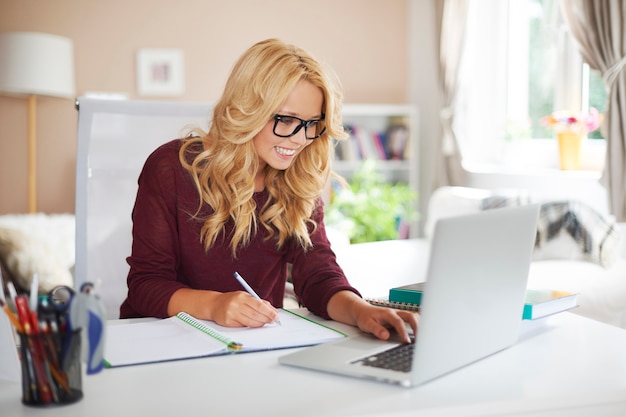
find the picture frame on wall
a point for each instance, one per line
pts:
(160, 72)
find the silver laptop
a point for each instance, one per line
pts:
(472, 305)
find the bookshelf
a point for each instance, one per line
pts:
(387, 133)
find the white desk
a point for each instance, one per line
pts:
(569, 366)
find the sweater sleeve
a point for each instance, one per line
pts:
(315, 273)
(155, 248)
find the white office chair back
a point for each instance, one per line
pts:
(114, 139)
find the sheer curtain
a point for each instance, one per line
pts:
(480, 104)
(598, 28)
(451, 18)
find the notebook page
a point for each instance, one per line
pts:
(294, 331)
(156, 341)
(172, 338)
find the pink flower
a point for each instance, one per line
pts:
(592, 121)
(563, 120)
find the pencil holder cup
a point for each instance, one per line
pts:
(51, 368)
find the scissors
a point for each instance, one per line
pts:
(70, 305)
(59, 301)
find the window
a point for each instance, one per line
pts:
(520, 64)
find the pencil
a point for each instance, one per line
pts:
(12, 317)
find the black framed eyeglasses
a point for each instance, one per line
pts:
(287, 126)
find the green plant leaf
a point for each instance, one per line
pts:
(371, 209)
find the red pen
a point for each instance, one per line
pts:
(34, 345)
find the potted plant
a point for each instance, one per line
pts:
(370, 209)
(571, 129)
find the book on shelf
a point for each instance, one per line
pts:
(185, 337)
(363, 144)
(537, 304)
(397, 141)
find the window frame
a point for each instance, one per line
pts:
(498, 146)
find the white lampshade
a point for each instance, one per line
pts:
(36, 63)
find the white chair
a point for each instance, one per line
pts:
(114, 139)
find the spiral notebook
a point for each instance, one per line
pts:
(399, 305)
(185, 337)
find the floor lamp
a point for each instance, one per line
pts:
(35, 64)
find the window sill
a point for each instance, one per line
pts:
(534, 166)
(539, 157)
(531, 170)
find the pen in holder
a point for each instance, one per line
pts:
(51, 368)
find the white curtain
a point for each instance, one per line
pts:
(451, 19)
(598, 28)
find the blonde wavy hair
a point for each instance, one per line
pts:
(224, 171)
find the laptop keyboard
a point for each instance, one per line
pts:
(398, 358)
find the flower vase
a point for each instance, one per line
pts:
(570, 145)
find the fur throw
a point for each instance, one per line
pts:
(38, 244)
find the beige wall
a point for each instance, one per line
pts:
(365, 41)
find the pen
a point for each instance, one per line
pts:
(34, 346)
(29, 387)
(7, 309)
(12, 291)
(34, 293)
(248, 288)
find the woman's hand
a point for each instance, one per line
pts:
(240, 309)
(378, 320)
(231, 309)
(347, 307)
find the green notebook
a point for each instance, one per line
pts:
(538, 303)
(410, 294)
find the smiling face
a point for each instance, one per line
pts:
(305, 101)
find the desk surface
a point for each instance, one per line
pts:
(565, 362)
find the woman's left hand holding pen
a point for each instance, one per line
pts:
(231, 309)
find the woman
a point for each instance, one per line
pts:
(246, 197)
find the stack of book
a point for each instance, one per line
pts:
(539, 302)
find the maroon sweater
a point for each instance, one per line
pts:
(167, 254)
